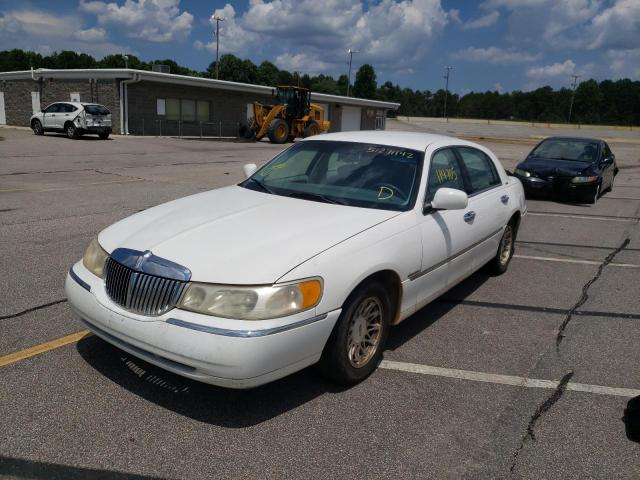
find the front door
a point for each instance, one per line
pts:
(444, 233)
(51, 116)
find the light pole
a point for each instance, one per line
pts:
(574, 85)
(351, 52)
(126, 61)
(217, 19)
(446, 89)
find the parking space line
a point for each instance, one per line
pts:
(585, 217)
(513, 380)
(572, 260)
(42, 348)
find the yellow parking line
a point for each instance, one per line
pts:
(43, 347)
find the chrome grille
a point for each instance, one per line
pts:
(140, 292)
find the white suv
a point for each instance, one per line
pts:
(74, 119)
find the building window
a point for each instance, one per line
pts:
(203, 111)
(188, 110)
(161, 106)
(173, 108)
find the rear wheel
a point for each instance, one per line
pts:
(36, 126)
(357, 341)
(278, 131)
(71, 131)
(311, 129)
(499, 264)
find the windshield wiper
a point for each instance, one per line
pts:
(566, 159)
(317, 197)
(262, 186)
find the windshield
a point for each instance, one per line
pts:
(574, 149)
(96, 110)
(346, 173)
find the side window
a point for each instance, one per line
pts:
(444, 171)
(606, 152)
(68, 108)
(480, 169)
(55, 108)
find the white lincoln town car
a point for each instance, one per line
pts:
(310, 260)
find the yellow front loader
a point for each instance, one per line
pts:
(292, 116)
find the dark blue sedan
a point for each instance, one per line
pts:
(570, 168)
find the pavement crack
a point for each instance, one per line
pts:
(585, 293)
(33, 309)
(542, 408)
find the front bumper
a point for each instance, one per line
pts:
(558, 186)
(224, 352)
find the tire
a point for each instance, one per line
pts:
(245, 132)
(593, 198)
(500, 263)
(71, 131)
(103, 135)
(278, 131)
(311, 129)
(610, 189)
(36, 126)
(343, 360)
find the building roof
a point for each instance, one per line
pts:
(171, 78)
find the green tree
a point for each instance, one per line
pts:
(268, 74)
(365, 85)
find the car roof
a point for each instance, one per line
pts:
(578, 139)
(411, 140)
(77, 104)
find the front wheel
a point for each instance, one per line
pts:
(593, 197)
(278, 131)
(357, 341)
(499, 264)
(36, 126)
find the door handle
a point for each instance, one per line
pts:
(469, 216)
(504, 199)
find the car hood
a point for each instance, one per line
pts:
(546, 167)
(234, 235)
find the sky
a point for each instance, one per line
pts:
(500, 45)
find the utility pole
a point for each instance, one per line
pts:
(446, 89)
(351, 52)
(574, 85)
(126, 61)
(217, 19)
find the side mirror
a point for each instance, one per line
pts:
(249, 169)
(449, 199)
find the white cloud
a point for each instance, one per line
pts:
(482, 22)
(389, 33)
(498, 87)
(301, 63)
(617, 27)
(564, 69)
(495, 55)
(45, 33)
(94, 34)
(625, 63)
(198, 45)
(454, 14)
(152, 20)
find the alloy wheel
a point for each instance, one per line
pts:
(506, 245)
(365, 329)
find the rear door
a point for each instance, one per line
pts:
(487, 212)
(69, 112)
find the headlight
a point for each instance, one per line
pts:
(584, 179)
(252, 303)
(522, 173)
(94, 258)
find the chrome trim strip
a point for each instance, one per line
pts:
(78, 280)
(147, 262)
(416, 275)
(244, 333)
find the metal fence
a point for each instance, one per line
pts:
(180, 128)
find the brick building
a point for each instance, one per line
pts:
(154, 103)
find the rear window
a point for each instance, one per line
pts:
(96, 110)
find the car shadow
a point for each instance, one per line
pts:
(244, 408)
(83, 137)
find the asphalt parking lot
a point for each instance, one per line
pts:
(526, 375)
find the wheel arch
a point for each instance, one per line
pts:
(392, 283)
